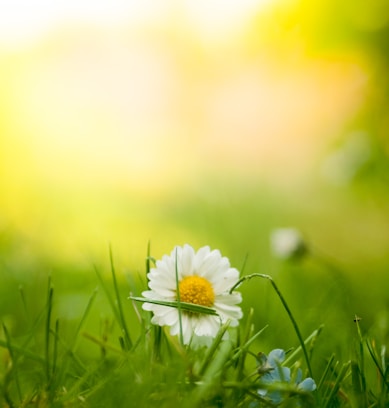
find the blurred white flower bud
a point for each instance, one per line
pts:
(287, 243)
(343, 164)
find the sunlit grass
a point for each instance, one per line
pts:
(106, 352)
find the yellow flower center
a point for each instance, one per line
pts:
(197, 290)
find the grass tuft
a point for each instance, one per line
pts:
(92, 360)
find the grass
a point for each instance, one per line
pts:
(75, 335)
(109, 354)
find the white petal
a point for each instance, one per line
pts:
(167, 263)
(209, 265)
(149, 294)
(159, 310)
(207, 326)
(163, 273)
(163, 315)
(187, 329)
(228, 312)
(147, 306)
(171, 317)
(229, 299)
(224, 282)
(200, 255)
(186, 264)
(175, 328)
(162, 291)
(200, 260)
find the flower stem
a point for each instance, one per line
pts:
(288, 311)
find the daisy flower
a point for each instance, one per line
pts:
(204, 278)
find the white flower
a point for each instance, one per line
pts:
(204, 278)
(287, 243)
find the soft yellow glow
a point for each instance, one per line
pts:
(25, 21)
(218, 19)
(115, 104)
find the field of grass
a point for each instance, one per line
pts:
(71, 336)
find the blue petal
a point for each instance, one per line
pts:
(307, 385)
(299, 375)
(276, 357)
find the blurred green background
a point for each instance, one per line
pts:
(201, 122)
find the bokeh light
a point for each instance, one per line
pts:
(110, 109)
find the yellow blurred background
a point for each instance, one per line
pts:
(109, 108)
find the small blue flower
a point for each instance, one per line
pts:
(272, 372)
(307, 385)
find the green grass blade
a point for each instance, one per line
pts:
(103, 344)
(21, 350)
(310, 339)
(286, 307)
(239, 361)
(51, 386)
(109, 297)
(49, 306)
(248, 343)
(213, 372)
(376, 361)
(55, 348)
(189, 307)
(83, 319)
(149, 259)
(122, 319)
(68, 352)
(211, 351)
(13, 359)
(24, 302)
(334, 390)
(326, 371)
(362, 392)
(179, 307)
(357, 384)
(107, 294)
